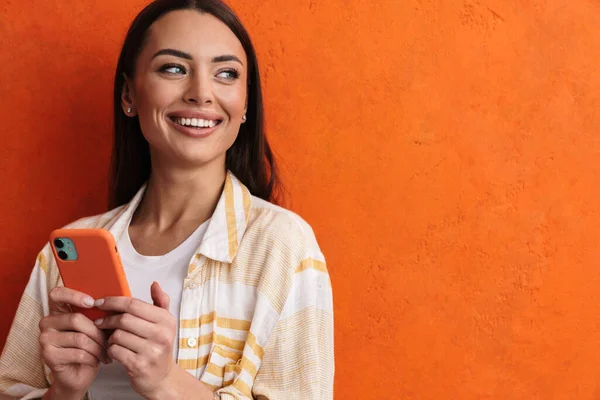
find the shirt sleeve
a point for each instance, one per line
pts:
(298, 360)
(22, 372)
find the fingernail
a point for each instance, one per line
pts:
(98, 321)
(88, 302)
(99, 302)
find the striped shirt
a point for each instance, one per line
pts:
(256, 316)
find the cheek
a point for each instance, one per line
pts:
(155, 95)
(152, 97)
(233, 101)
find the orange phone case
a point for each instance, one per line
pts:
(97, 272)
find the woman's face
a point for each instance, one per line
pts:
(189, 89)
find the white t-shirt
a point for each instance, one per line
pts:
(169, 271)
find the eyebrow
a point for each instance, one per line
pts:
(172, 52)
(225, 58)
(181, 54)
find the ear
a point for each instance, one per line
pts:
(128, 97)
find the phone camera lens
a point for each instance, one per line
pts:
(63, 255)
(58, 243)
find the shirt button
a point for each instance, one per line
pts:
(192, 342)
(193, 285)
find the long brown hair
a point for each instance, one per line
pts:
(250, 157)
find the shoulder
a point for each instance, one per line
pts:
(280, 225)
(300, 268)
(96, 221)
(279, 252)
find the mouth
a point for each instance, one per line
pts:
(195, 123)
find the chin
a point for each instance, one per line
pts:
(200, 158)
(190, 153)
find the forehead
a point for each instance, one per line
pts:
(199, 34)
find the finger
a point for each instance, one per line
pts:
(159, 297)
(132, 306)
(73, 322)
(61, 296)
(59, 308)
(74, 340)
(129, 323)
(123, 355)
(129, 341)
(55, 356)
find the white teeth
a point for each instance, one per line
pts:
(197, 122)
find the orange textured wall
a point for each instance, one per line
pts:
(445, 152)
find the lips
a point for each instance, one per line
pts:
(198, 128)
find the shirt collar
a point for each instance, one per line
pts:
(225, 229)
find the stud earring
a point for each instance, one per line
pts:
(128, 110)
(244, 117)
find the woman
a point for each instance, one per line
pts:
(250, 316)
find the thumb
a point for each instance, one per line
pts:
(159, 297)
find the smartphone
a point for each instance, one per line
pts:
(89, 262)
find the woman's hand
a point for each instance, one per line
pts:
(143, 338)
(72, 346)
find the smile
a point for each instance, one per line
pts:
(195, 122)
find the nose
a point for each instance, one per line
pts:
(199, 90)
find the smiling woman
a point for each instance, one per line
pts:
(231, 297)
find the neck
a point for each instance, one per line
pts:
(180, 196)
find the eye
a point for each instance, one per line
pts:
(229, 74)
(173, 69)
